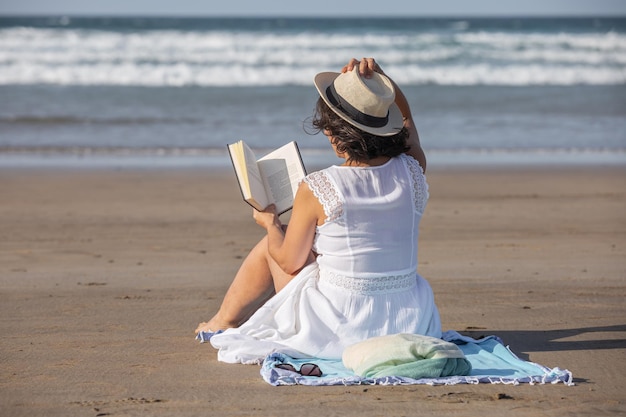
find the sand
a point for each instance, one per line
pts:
(105, 274)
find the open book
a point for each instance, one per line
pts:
(272, 179)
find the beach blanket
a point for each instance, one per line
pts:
(491, 362)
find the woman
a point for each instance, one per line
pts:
(345, 269)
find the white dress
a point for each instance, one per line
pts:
(364, 282)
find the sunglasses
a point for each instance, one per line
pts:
(307, 369)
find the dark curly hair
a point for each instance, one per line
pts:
(359, 146)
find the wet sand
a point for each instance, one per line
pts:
(104, 275)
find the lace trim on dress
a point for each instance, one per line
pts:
(420, 186)
(326, 193)
(371, 285)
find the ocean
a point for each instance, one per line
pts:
(93, 91)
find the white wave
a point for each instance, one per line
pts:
(557, 56)
(176, 58)
(180, 74)
(515, 75)
(217, 158)
(609, 41)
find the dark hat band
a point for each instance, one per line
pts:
(355, 114)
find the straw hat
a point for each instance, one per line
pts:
(366, 103)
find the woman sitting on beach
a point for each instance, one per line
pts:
(345, 269)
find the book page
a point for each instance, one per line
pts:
(248, 175)
(282, 171)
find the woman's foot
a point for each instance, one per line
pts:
(213, 326)
(204, 327)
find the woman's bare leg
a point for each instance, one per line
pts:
(257, 280)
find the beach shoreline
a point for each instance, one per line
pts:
(106, 272)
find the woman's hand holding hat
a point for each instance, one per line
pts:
(366, 67)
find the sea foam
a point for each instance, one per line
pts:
(244, 58)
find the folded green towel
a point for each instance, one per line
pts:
(408, 355)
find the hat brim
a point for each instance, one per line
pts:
(395, 123)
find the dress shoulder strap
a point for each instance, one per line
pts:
(420, 186)
(326, 192)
